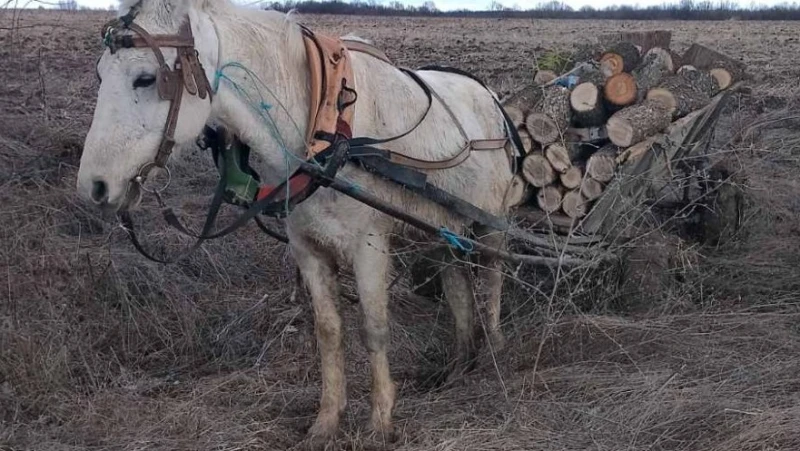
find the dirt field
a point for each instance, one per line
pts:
(100, 349)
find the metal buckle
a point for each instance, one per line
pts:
(109, 41)
(141, 178)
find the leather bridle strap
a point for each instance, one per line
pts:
(187, 73)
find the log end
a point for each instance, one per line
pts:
(537, 170)
(571, 178)
(663, 96)
(542, 128)
(620, 131)
(574, 204)
(591, 189)
(584, 97)
(516, 115)
(544, 76)
(518, 192)
(723, 77)
(620, 89)
(549, 199)
(611, 64)
(558, 156)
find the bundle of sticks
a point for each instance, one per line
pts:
(630, 87)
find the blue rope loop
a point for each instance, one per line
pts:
(455, 240)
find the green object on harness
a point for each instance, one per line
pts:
(242, 185)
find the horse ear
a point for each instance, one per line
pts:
(163, 11)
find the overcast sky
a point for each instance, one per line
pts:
(484, 4)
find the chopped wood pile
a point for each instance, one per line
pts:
(621, 91)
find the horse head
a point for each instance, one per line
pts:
(159, 59)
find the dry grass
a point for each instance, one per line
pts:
(100, 349)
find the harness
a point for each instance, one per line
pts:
(329, 140)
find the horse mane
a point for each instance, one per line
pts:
(165, 12)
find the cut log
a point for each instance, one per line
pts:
(726, 74)
(680, 96)
(527, 141)
(704, 58)
(524, 99)
(644, 39)
(621, 57)
(519, 192)
(592, 75)
(587, 105)
(586, 52)
(516, 115)
(544, 76)
(677, 60)
(537, 170)
(571, 178)
(724, 69)
(656, 65)
(558, 156)
(551, 116)
(591, 189)
(620, 90)
(700, 79)
(549, 198)
(635, 123)
(603, 163)
(574, 204)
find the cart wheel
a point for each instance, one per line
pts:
(721, 221)
(425, 278)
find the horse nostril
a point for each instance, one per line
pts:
(99, 192)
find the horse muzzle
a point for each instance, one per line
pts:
(110, 198)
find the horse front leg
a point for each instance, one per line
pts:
(318, 269)
(371, 267)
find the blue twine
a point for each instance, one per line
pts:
(455, 240)
(263, 109)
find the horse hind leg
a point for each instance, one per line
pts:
(490, 273)
(318, 270)
(458, 291)
(371, 266)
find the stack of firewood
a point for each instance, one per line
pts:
(575, 127)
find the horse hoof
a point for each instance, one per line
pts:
(497, 341)
(382, 437)
(315, 443)
(317, 440)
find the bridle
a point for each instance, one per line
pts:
(187, 73)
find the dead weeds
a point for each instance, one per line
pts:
(100, 349)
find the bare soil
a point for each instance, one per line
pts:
(101, 349)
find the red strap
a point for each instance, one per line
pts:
(297, 183)
(343, 128)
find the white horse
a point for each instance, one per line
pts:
(329, 228)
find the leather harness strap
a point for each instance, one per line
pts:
(332, 92)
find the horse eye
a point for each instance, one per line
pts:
(143, 81)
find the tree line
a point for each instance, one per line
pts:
(554, 9)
